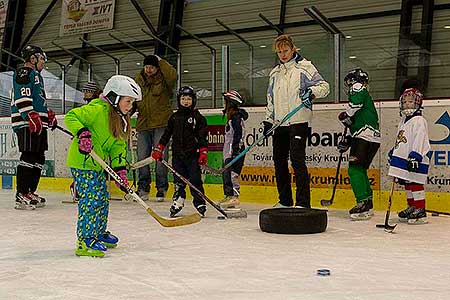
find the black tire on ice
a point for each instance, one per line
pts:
(293, 220)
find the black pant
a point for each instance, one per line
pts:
(362, 152)
(189, 169)
(32, 159)
(290, 141)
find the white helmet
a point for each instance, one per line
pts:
(120, 85)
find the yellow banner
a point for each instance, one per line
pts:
(319, 177)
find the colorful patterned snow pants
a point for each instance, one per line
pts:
(93, 203)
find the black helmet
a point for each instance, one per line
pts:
(187, 91)
(233, 97)
(31, 50)
(356, 75)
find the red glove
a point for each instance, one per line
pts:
(158, 152)
(52, 122)
(203, 157)
(122, 172)
(35, 122)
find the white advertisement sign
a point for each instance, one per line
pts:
(84, 16)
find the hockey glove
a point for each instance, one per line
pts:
(413, 164)
(344, 143)
(307, 98)
(203, 157)
(266, 127)
(235, 152)
(122, 172)
(345, 119)
(158, 152)
(52, 122)
(35, 122)
(84, 141)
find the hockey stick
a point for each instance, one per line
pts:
(142, 163)
(275, 125)
(325, 202)
(229, 214)
(386, 226)
(184, 220)
(146, 161)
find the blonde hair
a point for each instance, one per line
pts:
(284, 40)
(116, 125)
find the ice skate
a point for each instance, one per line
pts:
(73, 193)
(418, 217)
(177, 206)
(90, 247)
(230, 202)
(279, 205)
(142, 194)
(160, 195)
(201, 209)
(40, 200)
(362, 211)
(25, 202)
(108, 239)
(404, 214)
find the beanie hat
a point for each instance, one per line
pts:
(90, 86)
(151, 60)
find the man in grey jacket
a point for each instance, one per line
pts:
(292, 82)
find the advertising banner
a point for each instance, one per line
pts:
(86, 16)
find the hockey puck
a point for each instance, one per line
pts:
(221, 217)
(323, 272)
(435, 214)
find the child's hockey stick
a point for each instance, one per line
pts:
(386, 226)
(275, 125)
(146, 161)
(228, 214)
(325, 202)
(142, 163)
(184, 220)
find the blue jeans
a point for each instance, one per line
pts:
(146, 141)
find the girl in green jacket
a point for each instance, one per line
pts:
(102, 126)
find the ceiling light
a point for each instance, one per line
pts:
(263, 46)
(348, 36)
(138, 63)
(447, 26)
(352, 57)
(186, 71)
(236, 63)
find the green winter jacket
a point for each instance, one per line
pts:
(95, 117)
(155, 108)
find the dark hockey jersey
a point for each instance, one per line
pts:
(29, 95)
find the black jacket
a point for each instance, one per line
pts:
(189, 132)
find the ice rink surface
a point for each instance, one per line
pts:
(218, 259)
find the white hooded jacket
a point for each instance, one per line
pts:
(287, 83)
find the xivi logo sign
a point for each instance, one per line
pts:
(442, 157)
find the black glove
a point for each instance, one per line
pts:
(345, 119)
(235, 152)
(266, 127)
(344, 143)
(413, 164)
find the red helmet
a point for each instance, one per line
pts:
(410, 94)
